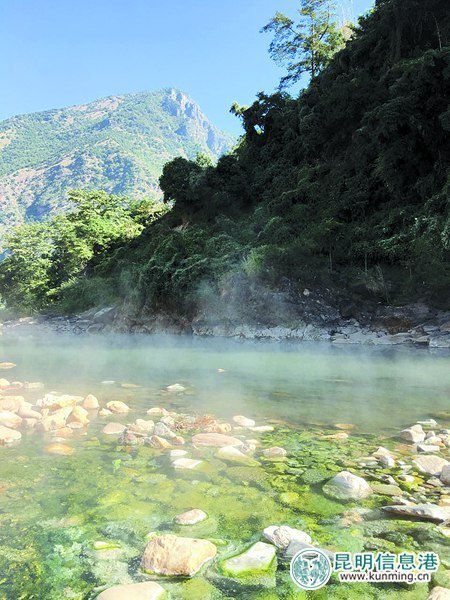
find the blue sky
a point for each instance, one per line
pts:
(58, 53)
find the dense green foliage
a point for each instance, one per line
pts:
(117, 144)
(347, 185)
(44, 258)
(308, 45)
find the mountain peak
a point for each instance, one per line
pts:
(118, 143)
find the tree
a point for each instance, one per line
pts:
(43, 257)
(24, 273)
(305, 46)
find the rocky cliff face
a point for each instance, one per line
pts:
(118, 144)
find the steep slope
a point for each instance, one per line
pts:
(118, 144)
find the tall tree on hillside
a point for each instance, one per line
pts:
(307, 44)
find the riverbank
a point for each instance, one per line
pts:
(311, 320)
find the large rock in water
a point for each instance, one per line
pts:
(424, 512)
(217, 440)
(346, 486)
(173, 555)
(258, 559)
(148, 590)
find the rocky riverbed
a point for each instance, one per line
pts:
(101, 496)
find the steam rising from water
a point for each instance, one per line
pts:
(377, 389)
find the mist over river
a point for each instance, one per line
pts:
(298, 382)
(247, 435)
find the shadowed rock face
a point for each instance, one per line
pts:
(118, 144)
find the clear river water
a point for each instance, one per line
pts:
(56, 511)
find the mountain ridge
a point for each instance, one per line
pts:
(118, 143)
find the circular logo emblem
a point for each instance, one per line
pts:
(311, 569)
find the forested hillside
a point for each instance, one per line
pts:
(117, 144)
(345, 187)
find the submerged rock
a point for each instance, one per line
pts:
(57, 420)
(424, 512)
(79, 415)
(159, 442)
(219, 428)
(114, 429)
(259, 558)
(10, 419)
(173, 555)
(346, 486)
(281, 536)
(162, 430)
(439, 593)
(340, 436)
(386, 489)
(274, 452)
(344, 426)
(175, 387)
(149, 590)
(11, 403)
(8, 436)
(243, 421)
(186, 463)
(157, 410)
(143, 426)
(117, 406)
(430, 464)
(233, 455)
(191, 517)
(26, 411)
(297, 545)
(58, 448)
(215, 439)
(262, 429)
(177, 453)
(105, 412)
